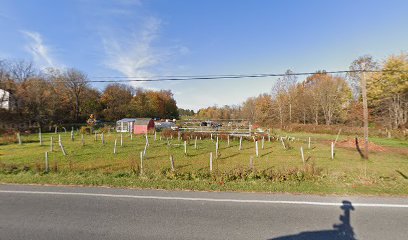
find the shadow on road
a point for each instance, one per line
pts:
(342, 231)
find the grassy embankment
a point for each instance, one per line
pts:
(275, 170)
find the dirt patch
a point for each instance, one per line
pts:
(351, 143)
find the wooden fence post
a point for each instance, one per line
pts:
(103, 138)
(332, 150)
(263, 142)
(82, 140)
(72, 135)
(172, 163)
(303, 156)
(240, 143)
(228, 140)
(185, 147)
(51, 144)
(121, 140)
(308, 146)
(195, 143)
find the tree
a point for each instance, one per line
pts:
(75, 82)
(116, 99)
(332, 94)
(388, 91)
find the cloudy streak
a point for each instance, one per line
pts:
(134, 55)
(40, 52)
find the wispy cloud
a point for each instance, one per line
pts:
(41, 53)
(134, 54)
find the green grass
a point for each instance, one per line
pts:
(95, 164)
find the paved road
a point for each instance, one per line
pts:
(43, 212)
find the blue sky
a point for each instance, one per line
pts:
(146, 38)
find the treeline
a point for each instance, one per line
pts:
(329, 99)
(65, 96)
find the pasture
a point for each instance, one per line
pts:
(276, 169)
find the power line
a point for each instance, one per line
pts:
(122, 79)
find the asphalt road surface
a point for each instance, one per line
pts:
(45, 212)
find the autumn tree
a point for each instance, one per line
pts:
(388, 91)
(75, 83)
(116, 99)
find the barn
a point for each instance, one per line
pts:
(143, 125)
(135, 125)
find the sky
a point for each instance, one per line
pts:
(150, 38)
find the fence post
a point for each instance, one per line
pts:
(211, 161)
(195, 143)
(40, 136)
(103, 138)
(332, 150)
(145, 149)
(72, 135)
(283, 143)
(263, 142)
(155, 136)
(82, 140)
(147, 140)
(216, 150)
(308, 146)
(240, 143)
(46, 162)
(256, 148)
(228, 140)
(303, 156)
(172, 163)
(121, 140)
(114, 147)
(185, 147)
(51, 144)
(141, 162)
(19, 138)
(62, 147)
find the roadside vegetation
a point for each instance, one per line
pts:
(91, 162)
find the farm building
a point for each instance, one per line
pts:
(165, 125)
(135, 125)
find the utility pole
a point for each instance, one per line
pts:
(365, 111)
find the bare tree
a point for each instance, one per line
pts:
(22, 70)
(75, 82)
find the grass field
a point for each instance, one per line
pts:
(275, 170)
